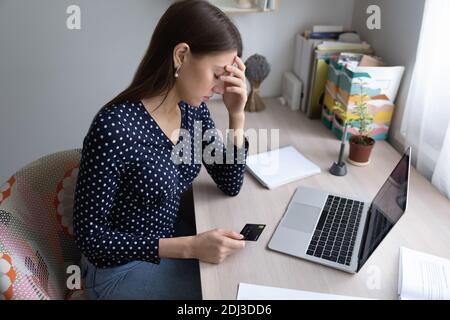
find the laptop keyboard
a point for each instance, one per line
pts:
(335, 233)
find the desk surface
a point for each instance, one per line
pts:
(424, 227)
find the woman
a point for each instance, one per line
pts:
(129, 184)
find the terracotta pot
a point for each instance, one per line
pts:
(360, 149)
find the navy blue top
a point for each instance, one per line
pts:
(130, 184)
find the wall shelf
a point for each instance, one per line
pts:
(230, 7)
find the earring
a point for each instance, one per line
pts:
(176, 73)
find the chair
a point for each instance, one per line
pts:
(36, 234)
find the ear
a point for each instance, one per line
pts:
(180, 53)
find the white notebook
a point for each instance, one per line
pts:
(277, 167)
(423, 276)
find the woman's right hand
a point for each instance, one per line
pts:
(215, 245)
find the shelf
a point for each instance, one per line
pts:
(230, 6)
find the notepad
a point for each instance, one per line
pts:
(423, 276)
(255, 292)
(278, 167)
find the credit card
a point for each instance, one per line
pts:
(251, 232)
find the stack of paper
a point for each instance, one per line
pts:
(423, 276)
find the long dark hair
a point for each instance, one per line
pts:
(203, 26)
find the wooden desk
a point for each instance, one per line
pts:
(424, 227)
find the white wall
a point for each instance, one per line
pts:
(53, 81)
(396, 43)
(273, 34)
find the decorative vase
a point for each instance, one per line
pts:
(254, 101)
(359, 154)
(257, 69)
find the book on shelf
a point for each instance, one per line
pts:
(266, 4)
(341, 46)
(350, 59)
(262, 4)
(324, 28)
(325, 35)
(271, 4)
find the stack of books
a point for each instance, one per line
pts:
(314, 50)
(328, 33)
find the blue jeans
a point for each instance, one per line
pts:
(172, 279)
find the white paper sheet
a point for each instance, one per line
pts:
(423, 276)
(256, 292)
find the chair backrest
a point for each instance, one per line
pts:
(36, 235)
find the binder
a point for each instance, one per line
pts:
(303, 64)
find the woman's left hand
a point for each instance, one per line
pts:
(235, 89)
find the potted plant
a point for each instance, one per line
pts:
(361, 144)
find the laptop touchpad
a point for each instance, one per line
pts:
(301, 217)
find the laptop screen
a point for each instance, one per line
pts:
(386, 209)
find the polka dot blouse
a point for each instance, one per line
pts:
(130, 184)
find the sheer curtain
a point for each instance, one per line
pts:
(426, 121)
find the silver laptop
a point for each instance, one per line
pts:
(340, 232)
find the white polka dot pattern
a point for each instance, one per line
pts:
(128, 189)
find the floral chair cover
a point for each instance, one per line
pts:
(36, 234)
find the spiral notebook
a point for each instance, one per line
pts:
(281, 166)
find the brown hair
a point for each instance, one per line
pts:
(203, 26)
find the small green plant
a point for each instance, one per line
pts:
(361, 120)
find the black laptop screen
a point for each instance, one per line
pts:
(386, 209)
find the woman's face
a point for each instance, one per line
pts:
(199, 77)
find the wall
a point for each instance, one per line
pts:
(53, 81)
(396, 43)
